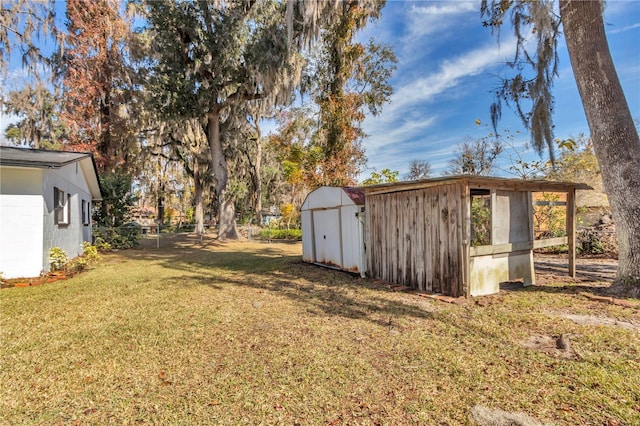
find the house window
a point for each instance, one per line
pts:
(61, 206)
(86, 213)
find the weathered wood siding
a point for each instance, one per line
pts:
(415, 238)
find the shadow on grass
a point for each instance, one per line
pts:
(552, 276)
(593, 272)
(513, 286)
(321, 291)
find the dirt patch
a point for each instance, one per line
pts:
(588, 269)
(596, 320)
(555, 346)
(484, 416)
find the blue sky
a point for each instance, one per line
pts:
(447, 65)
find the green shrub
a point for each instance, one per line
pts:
(281, 234)
(588, 242)
(123, 237)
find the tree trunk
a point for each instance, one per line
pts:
(614, 136)
(104, 144)
(199, 206)
(160, 219)
(257, 182)
(226, 208)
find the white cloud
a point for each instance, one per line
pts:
(436, 17)
(405, 129)
(424, 90)
(382, 133)
(623, 29)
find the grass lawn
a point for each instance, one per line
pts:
(244, 333)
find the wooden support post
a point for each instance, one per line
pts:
(571, 230)
(531, 279)
(465, 227)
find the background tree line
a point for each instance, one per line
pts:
(170, 95)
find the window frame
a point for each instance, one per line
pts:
(61, 202)
(86, 213)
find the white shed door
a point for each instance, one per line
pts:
(326, 226)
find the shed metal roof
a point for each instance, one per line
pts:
(478, 182)
(356, 194)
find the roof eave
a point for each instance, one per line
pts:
(479, 182)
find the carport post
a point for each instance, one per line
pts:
(571, 230)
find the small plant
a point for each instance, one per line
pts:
(90, 252)
(588, 242)
(78, 264)
(57, 258)
(102, 246)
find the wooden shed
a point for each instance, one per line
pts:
(332, 228)
(422, 234)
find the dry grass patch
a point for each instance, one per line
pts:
(244, 333)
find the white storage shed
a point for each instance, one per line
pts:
(333, 228)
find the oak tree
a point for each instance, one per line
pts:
(24, 25)
(38, 126)
(212, 55)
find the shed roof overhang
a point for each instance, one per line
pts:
(478, 182)
(42, 159)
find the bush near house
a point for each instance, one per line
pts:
(122, 237)
(60, 260)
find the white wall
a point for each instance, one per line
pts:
(21, 229)
(69, 238)
(307, 237)
(333, 210)
(351, 244)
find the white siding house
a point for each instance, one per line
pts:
(333, 228)
(45, 202)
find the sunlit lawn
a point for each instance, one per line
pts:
(244, 333)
